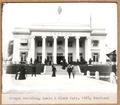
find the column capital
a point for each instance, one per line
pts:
(77, 37)
(55, 37)
(88, 37)
(43, 36)
(66, 37)
(32, 36)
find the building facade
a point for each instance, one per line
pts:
(56, 42)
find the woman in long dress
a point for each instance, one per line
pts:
(53, 71)
(22, 74)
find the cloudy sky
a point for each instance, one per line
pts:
(103, 15)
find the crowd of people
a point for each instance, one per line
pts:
(35, 66)
(21, 71)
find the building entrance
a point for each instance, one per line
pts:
(60, 58)
(23, 56)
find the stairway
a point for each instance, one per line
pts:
(60, 71)
(78, 71)
(47, 70)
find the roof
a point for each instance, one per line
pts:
(21, 31)
(59, 28)
(99, 31)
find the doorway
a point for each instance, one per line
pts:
(23, 56)
(60, 57)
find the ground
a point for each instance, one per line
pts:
(61, 84)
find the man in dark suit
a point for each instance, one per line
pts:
(69, 70)
(34, 68)
(53, 71)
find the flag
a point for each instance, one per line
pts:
(112, 56)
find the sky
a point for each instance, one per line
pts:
(103, 15)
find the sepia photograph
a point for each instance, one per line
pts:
(59, 53)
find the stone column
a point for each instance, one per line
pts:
(16, 52)
(77, 48)
(112, 77)
(55, 50)
(31, 53)
(88, 74)
(87, 49)
(97, 75)
(43, 49)
(66, 48)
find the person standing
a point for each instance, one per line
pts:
(38, 68)
(17, 72)
(64, 64)
(73, 71)
(69, 70)
(53, 71)
(34, 69)
(30, 60)
(17, 75)
(22, 74)
(90, 61)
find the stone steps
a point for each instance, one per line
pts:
(60, 71)
(78, 71)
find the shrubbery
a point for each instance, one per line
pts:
(102, 69)
(11, 69)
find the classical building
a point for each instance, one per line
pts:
(55, 42)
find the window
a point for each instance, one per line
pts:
(95, 57)
(81, 44)
(23, 56)
(81, 54)
(95, 43)
(70, 57)
(60, 42)
(49, 57)
(39, 57)
(59, 54)
(49, 43)
(70, 44)
(81, 57)
(24, 44)
(39, 43)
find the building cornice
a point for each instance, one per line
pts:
(60, 28)
(20, 31)
(98, 32)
